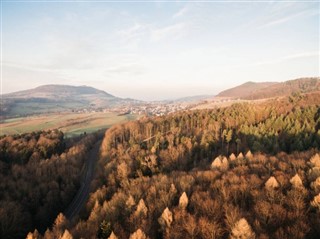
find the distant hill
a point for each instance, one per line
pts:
(58, 92)
(302, 85)
(191, 99)
(54, 98)
(254, 91)
(245, 89)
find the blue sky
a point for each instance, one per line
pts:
(157, 50)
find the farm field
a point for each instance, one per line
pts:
(72, 124)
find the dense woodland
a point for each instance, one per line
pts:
(245, 171)
(39, 176)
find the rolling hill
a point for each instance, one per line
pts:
(54, 98)
(245, 89)
(61, 91)
(255, 91)
(189, 99)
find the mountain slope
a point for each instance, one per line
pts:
(58, 92)
(245, 89)
(53, 98)
(302, 85)
(255, 91)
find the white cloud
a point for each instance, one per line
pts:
(287, 58)
(133, 36)
(27, 67)
(173, 31)
(181, 12)
(15, 78)
(133, 69)
(131, 32)
(283, 19)
(301, 55)
(164, 50)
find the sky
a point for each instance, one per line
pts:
(157, 50)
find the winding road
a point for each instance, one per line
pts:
(83, 193)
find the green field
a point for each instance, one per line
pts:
(71, 124)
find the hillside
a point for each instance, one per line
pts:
(255, 91)
(55, 98)
(61, 91)
(231, 172)
(302, 85)
(245, 89)
(195, 98)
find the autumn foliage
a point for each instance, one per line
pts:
(245, 171)
(39, 176)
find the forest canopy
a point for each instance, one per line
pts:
(251, 170)
(39, 176)
(245, 171)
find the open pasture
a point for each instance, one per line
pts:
(71, 124)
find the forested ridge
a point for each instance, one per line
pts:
(263, 90)
(245, 171)
(302, 85)
(39, 176)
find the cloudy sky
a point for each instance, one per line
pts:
(157, 50)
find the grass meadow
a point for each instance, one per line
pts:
(72, 124)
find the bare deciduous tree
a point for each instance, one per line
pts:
(139, 234)
(183, 201)
(242, 229)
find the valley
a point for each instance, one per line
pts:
(71, 124)
(161, 168)
(78, 109)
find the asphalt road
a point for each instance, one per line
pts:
(83, 193)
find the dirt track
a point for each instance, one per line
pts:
(83, 193)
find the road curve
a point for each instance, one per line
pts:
(83, 192)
